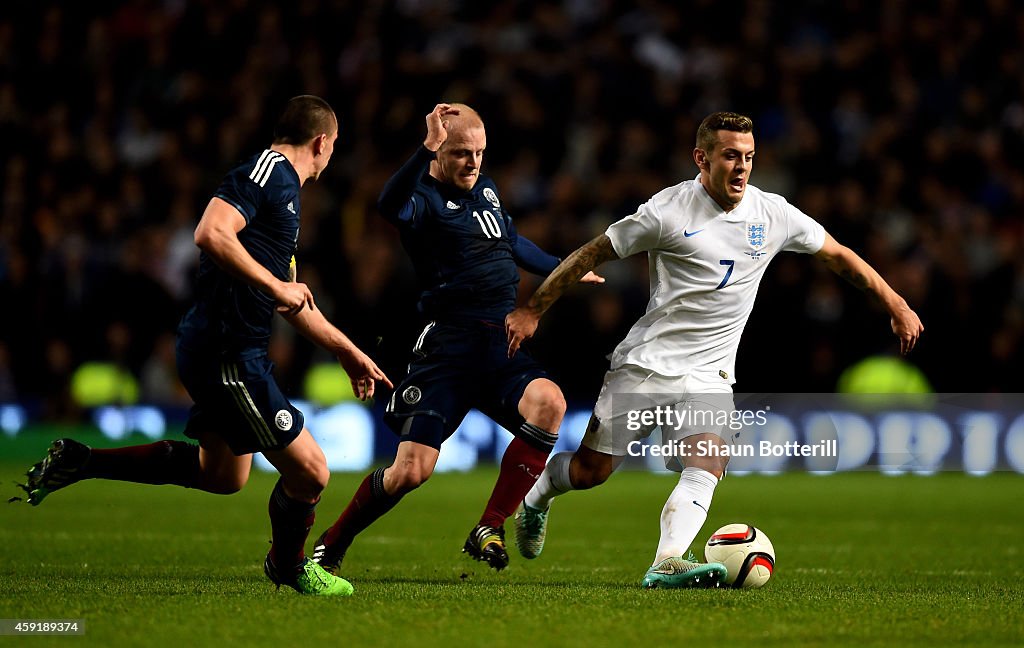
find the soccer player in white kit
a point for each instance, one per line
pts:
(709, 241)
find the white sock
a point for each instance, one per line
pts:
(685, 512)
(552, 482)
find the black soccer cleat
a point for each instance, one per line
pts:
(61, 467)
(330, 558)
(487, 543)
(271, 572)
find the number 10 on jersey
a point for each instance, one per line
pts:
(488, 223)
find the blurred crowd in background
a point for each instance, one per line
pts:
(898, 125)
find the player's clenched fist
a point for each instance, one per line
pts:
(437, 127)
(292, 297)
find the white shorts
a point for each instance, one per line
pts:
(634, 401)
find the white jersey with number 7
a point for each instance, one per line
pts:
(705, 267)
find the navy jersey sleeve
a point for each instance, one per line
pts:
(242, 193)
(264, 180)
(397, 203)
(526, 253)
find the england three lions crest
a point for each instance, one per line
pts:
(492, 197)
(757, 238)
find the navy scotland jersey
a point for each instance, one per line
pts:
(463, 244)
(466, 252)
(231, 317)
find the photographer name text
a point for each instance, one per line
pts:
(704, 448)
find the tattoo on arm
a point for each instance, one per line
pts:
(856, 278)
(577, 264)
(858, 274)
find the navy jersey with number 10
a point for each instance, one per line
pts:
(462, 243)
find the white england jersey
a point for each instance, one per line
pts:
(705, 266)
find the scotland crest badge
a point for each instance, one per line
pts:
(492, 197)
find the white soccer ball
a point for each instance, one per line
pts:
(745, 551)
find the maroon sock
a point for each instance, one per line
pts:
(520, 467)
(290, 522)
(163, 462)
(368, 504)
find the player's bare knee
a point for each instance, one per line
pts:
(602, 473)
(589, 479)
(717, 469)
(723, 464)
(586, 475)
(543, 405)
(552, 411)
(714, 465)
(321, 475)
(222, 480)
(222, 484)
(307, 483)
(590, 468)
(231, 483)
(220, 471)
(414, 480)
(399, 480)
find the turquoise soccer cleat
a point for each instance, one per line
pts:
(531, 530)
(677, 572)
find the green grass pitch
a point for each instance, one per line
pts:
(863, 559)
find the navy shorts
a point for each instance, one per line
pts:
(237, 400)
(457, 367)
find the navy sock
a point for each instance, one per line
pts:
(290, 522)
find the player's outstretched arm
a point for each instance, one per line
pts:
(521, 323)
(217, 235)
(362, 371)
(906, 325)
(530, 257)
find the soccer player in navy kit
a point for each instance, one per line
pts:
(465, 251)
(248, 236)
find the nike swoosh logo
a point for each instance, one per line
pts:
(695, 501)
(689, 234)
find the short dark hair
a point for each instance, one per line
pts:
(304, 118)
(717, 121)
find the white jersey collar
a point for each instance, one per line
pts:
(716, 211)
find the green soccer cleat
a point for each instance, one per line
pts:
(61, 467)
(487, 544)
(678, 572)
(312, 580)
(531, 529)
